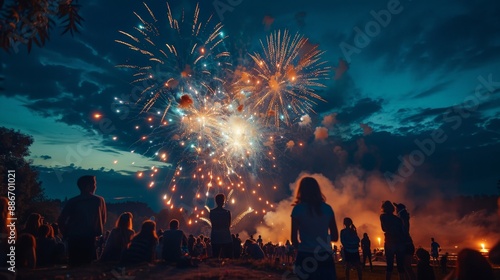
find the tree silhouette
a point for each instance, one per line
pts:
(23, 22)
(14, 147)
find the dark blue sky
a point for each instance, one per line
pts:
(417, 106)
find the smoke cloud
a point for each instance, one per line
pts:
(329, 120)
(305, 120)
(359, 194)
(321, 133)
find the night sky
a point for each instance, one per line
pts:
(412, 97)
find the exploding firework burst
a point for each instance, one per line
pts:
(188, 56)
(283, 80)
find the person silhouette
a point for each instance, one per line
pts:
(119, 238)
(435, 248)
(471, 264)
(33, 224)
(424, 268)
(143, 245)
(314, 222)
(367, 252)
(173, 241)
(409, 248)
(392, 227)
(350, 241)
(259, 241)
(253, 250)
(82, 220)
(222, 243)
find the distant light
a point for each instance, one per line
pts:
(97, 116)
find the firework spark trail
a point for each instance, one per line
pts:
(241, 216)
(283, 80)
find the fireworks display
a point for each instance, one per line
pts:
(186, 57)
(283, 79)
(219, 136)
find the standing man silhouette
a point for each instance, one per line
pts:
(82, 220)
(222, 243)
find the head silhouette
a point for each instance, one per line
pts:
(125, 221)
(423, 255)
(174, 224)
(34, 222)
(148, 230)
(387, 207)
(220, 199)
(348, 223)
(472, 265)
(309, 192)
(399, 206)
(87, 184)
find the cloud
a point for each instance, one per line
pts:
(320, 133)
(362, 149)
(45, 157)
(341, 154)
(329, 120)
(341, 69)
(423, 46)
(438, 88)
(362, 109)
(185, 102)
(367, 130)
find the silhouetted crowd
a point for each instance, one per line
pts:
(78, 238)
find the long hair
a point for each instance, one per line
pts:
(148, 231)
(309, 192)
(349, 224)
(124, 221)
(33, 224)
(387, 207)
